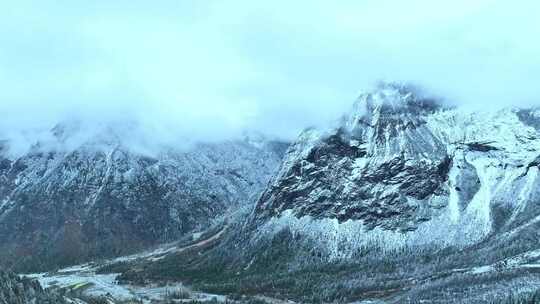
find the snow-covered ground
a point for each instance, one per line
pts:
(85, 279)
(529, 259)
(96, 285)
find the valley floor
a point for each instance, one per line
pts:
(447, 277)
(85, 281)
(518, 275)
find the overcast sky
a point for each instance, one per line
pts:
(210, 69)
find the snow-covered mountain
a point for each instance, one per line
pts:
(407, 200)
(62, 204)
(402, 170)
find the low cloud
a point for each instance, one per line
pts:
(209, 70)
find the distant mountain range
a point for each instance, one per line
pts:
(100, 198)
(405, 200)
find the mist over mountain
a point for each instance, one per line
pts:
(251, 152)
(209, 71)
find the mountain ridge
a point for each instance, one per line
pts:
(361, 211)
(396, 139)
(67, 205)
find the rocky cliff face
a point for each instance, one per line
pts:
(14, 290)
(402, 170)
(384, 168)
(100, 198)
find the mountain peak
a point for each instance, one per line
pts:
(395, 98)
(390, 107)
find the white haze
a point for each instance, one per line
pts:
(186, 71)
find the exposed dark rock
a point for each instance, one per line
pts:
(467, 183)
(365, 170)
(529, 117)
(481, 147)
